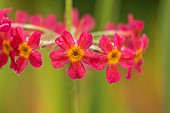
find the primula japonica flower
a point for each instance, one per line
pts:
(74, 52)
(114, 55)
(26, 49)
(5, 23)
(133, 27)
(83, 24)
(49, 22)
(140, 45)
(6, 50)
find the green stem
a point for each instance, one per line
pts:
(68, 7)
(72, 91)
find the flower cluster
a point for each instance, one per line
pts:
(124, 48)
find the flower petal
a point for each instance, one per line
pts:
(75, 17)
(60, 28)
(135, 25)
(21, 17)
(85, 40)
(144, 42)
(34, 40)
(92, 59)
(112, 74)
(76, 70)
(1, 43)
(129, 74)
(18, 35)
(21, 64)
(3, 59)
(3, 12)
(110, 26)
(118, 41)
(139, 65)
(65, 41)
(135, 42)
(5, 25)
(50, 22)
(126, 59)
(13, 54)
(86, 23)
(105, 44)
(35, 59)
(36, 20)
(58, 58)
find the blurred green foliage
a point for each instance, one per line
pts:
(44, 90)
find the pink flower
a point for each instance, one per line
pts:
(26, 49)
(5, 23)
(21, 17)
(140, 45)
(74, 52)
(6, 50)
(136, 26)
(114, 55)
(83, 24)
(133, 26)
(49, 22)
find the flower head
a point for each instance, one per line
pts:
(26, 49)
(5, 23)
(114, 55)
(74, 52)
(132, 27)
(140, 45)
(6, 50)
(83, 24)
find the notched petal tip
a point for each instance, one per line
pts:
(76, 70)
(65, 41)
(34, 40)
(105, 44)
(112, 74)
(85, 40)
(35, 59)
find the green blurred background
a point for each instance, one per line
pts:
(44, 90)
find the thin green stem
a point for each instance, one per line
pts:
(72, 91)
(68, 7)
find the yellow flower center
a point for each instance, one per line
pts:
(114, 56)
(6, 47)
(138, 55)
(75, 53)
(24, 50)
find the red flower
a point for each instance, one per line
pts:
(26, 49)
(49, 22)
(139, 48)
(83, 24)
(6, 50)
(21, 17)
(114, 55)
(5, 23)
(74, 52)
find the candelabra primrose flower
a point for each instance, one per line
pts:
(5, 23)
(139, 48)
(6, 50)
(113, 55)
(74, 52)
(120, 45)
(26, 49)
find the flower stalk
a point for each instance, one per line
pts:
(71, 84)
